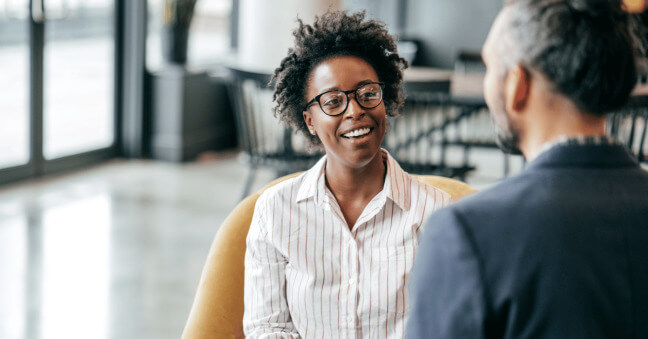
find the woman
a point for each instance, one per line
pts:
(329, 252)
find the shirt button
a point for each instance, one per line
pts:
(351, 281)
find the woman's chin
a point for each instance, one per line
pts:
(362, 157)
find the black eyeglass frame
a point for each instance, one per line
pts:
(346, 93)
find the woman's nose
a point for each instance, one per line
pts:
(354, 111)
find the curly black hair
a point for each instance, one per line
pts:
(333, 34)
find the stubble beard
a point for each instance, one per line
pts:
(507, 137)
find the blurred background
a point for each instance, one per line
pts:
(129, 129)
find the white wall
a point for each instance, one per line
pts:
(265, 28)
(444, 27)
(448, 26)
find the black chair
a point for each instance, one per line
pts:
(629, 125)
(265, 141)
(426, 87)
(474, 130)
(417, 139)
(469, 62)
(642, 70)
(472, 62)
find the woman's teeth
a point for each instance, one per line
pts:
(357, 133)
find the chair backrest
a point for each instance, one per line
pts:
(630, 125)
(472, 127)
(436, 86)
(217, 311)
(260, 134)
(428, 123)
(469, 61)
(251, 100)
(415, 136)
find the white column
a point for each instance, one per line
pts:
(265, 28)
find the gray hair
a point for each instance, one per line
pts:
(587, 49)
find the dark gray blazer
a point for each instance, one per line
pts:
(558, 251)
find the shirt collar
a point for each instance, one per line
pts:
(310, 186)
(578, 140)
(397, 183)
(396, 187)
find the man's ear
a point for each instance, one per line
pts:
(518, 85)
(309, 122)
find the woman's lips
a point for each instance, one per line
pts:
(358, 133)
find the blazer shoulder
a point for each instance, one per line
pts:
(488, 213)
(501, 196)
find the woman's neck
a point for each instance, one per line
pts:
(356, 183)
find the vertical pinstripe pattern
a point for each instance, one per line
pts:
(308, 275)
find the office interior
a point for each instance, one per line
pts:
(121, 152)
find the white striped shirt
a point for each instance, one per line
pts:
(307, 274)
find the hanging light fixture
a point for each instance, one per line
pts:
(635, 6)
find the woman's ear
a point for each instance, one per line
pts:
(309, 122)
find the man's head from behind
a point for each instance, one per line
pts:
(552, 56)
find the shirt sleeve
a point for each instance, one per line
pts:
(266, 310)
(446, 291)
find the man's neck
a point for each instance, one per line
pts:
(559, 124)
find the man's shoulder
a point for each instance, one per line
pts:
(523, 203)
(501, 196)
(551, 185)
(489, 214)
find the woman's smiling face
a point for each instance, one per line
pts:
(353, 137)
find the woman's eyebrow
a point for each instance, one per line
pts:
(328, 89)
(364, 82)
(336, 88)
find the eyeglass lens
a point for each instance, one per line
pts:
(335, 102)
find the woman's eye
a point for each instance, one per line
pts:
(331, 103)
(368, 95)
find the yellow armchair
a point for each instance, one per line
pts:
(217, 310)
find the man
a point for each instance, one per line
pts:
(560, 250)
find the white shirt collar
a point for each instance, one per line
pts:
(396, 186)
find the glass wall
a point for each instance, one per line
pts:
(79, 76)
(14, 83)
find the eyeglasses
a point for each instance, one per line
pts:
(335, 102)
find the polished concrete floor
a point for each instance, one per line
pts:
(116, 250)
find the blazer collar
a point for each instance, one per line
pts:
(574, 155)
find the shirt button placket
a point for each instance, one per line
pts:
(327, 203)
(353, 285)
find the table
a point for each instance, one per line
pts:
(469, 87)
(465, 88)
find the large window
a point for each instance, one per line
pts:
(14, 83)
(79, 77)
(57, 102)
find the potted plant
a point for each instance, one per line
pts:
(175, 29)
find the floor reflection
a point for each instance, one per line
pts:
(115, 251)
(76, 269)
(13, 270)
(111, 252)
